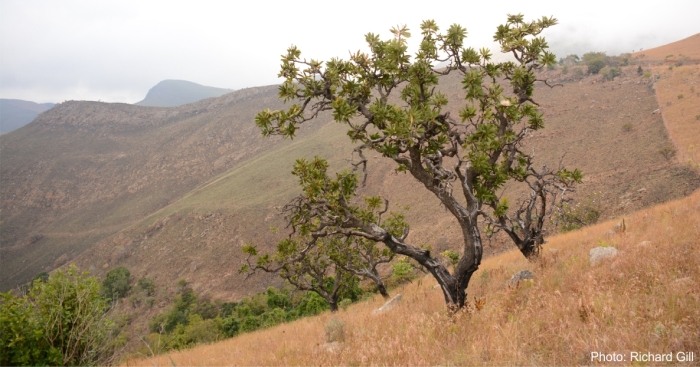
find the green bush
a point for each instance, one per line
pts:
(402, 271)
(62, 321)
(148, 285)
(595, 66)
(230, 326)
(595, 61)
(451, 256)
(116, 283)
(22, 336)
(609, 73)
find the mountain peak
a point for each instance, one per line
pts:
(172, 93)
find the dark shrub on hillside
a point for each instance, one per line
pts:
(116, 283)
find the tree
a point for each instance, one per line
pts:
(327, 265)
(307, 266)
(464, 164)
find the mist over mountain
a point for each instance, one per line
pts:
(15, 113)
(173, 93)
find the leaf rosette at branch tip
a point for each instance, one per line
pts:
(389, 101)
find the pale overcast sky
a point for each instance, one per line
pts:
(114, 51)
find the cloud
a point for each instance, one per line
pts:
(115, 51)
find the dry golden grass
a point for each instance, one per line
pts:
(688, 47)
(646, 300)
(678, 94)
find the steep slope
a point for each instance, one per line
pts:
(172, 93)
(646, 300)
(199, 237)
(85, 170)
(15, 113)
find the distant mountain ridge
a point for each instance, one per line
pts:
(15, 113)
(173, 93)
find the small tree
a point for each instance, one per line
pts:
(473, 157)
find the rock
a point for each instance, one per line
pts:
(644, 244)
(599, 253)
(520, 277)
(388, 305)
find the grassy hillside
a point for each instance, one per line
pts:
(173, 93)
(686, 50)
(644, 300)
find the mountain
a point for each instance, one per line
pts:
(172, 93)
(15, 113)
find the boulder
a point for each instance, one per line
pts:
(388, 305)
(520, 277)
(599, 253)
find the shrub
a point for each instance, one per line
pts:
(627, 127)
(451, 256)
(277, 299)
(647, 74)
(668, 152)
(334, 331)
(609, 73)
(116, 283)
(402, 271)
(572, 217)
(230, 326)
(312, 304)
(595, 66)
(680, 96)
(273, 317)
(62, 321)
(640, 71)
(147, 285)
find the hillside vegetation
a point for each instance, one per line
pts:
(646, 299)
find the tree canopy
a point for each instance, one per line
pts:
(390, 103)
